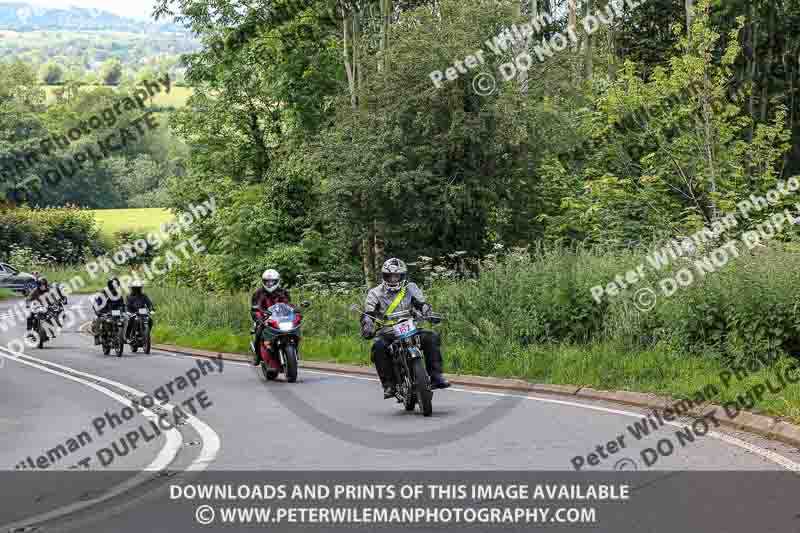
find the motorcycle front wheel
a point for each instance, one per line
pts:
(423, 387)
(146, 337)
(120, 343)
(40, 332)
(409, 398)
(291, 363)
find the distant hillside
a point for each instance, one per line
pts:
(22, 17)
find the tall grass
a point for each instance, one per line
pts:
(535, 318)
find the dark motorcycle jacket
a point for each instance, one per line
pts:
(139, 301)
(109, 305)
(113, 301)
(52, 296)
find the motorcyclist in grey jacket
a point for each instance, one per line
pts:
(379, 299)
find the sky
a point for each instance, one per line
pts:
(140, 9)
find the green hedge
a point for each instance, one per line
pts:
(64, 235)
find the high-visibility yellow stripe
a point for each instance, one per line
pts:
(394, 304)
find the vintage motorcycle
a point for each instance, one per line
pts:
(43, 322)
(140, 328)
(279, 339)
(112, 332)
(408, 361)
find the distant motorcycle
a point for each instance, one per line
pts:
(408, 361)
(112, 332)
(279, 339)
(141, 326)
(43, 318)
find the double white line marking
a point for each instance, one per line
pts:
(174, 439)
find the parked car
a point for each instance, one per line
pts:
(11, 278)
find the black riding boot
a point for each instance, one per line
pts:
(431, 347)
(384, 368)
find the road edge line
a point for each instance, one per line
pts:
(764, 426)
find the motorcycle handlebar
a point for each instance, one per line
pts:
(433, 318)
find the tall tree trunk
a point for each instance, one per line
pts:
(386, 13)
(573, 18)
(588, 59)
(790, 68)
(357, 53)
(352, 58)
(368, 256)
(766, 75)
(751, 77)
(347, 23)
(612, 52)
(689, 8)
(378, 247)
(378, 232)
(709, 139)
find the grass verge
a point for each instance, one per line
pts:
(6, 294)
(221, 323)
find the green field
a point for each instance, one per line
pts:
(177, 96)
(112, 221)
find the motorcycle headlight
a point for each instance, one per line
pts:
(286, 326)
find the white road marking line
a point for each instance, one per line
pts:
(166, 455)
(211, 441)
(210, 447)
(766, 454)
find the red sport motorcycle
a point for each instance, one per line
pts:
(277, 344)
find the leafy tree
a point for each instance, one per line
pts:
(51, 73)
(111, 72)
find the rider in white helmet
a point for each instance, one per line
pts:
(138, 300)
(269, 294)
(379, 300)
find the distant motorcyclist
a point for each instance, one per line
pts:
(57, 298)
(395, 295)
(43, 296)
(137, 300)
(111, 299)
(269, 294)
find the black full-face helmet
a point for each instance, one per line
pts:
(136, 287)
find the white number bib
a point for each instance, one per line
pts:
(405, 329)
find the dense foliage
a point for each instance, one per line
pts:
(44, 237)
(318, 128)
(134, 174)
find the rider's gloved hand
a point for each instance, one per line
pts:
(367, 328)
(427, 309)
